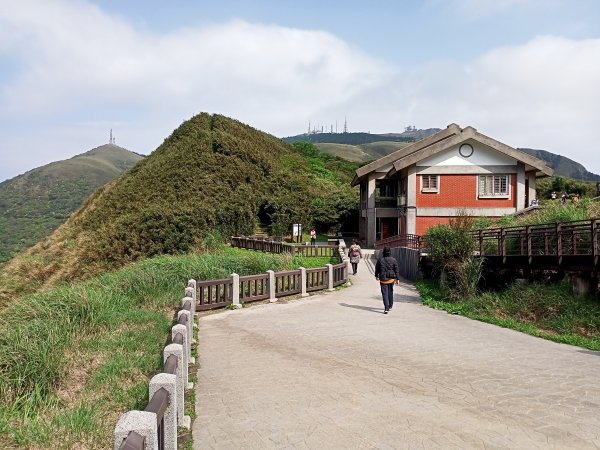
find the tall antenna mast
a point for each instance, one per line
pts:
(345, 125)
(112, 139)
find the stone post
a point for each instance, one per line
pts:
(141, 422)
(235, 292)
(181, 329)
(272, 297)
(177, 351)
(303, 282)
(330, 277)
(189, 293)
(167, 382)
(190, 329)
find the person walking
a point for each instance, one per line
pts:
(387, 272)
(354, 253)
(313, 237)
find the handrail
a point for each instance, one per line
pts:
(133, 441)
(171, 363)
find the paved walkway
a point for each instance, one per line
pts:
(333, 372)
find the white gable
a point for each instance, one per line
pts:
(482, 156)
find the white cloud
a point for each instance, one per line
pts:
(80, 67)
(542, 94)
(74, 54)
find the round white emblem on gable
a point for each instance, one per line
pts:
(465, 150)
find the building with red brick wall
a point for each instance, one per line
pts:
(453, 172)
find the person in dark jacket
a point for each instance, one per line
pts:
(387, 272)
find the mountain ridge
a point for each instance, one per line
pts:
(212, 176)
(36, 202)
(365, 147)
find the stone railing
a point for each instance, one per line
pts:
(155, 428)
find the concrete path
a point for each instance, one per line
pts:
(333, 372)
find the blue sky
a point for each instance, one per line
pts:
(525, 72)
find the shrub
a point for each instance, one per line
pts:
(451, 248)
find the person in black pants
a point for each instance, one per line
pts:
(387, 272)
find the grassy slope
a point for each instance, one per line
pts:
(85, 353)
(32, 205)
(550, 311)
(362, 152)
(213, 174)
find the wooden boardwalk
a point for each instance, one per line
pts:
(559, 246)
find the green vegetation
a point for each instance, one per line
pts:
(73, 358)
(563, 166)
(361, 153)
(560, 185)
(552, 211)
(34, 204)
(451, 248)
(212, 175)
(545, 310)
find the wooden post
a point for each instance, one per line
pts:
(480, 243)
(529, 250)
(558, 243)
(503, 245)
(594, 242)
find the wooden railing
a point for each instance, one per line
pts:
(288, 283)
(413, 241)
(264, 245)
(569, 246)
(214, 293)
(235, 290)
(560, 245)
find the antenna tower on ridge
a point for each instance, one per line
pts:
(345, 125)
(112, 139)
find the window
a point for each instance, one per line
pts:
(429, 183)
(493, 185)
(386, 192)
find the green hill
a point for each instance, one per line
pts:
(364, 147)
(563, 166)
(34, 204)
(213, 175)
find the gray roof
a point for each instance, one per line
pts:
(442, 140)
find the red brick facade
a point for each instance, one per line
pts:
(460, 191)
(457, 191)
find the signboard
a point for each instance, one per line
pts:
(297, 230)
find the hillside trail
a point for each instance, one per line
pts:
(332, 371)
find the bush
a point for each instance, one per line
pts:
(451, 248)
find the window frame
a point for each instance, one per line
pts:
(482, 193)
(429, 190)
